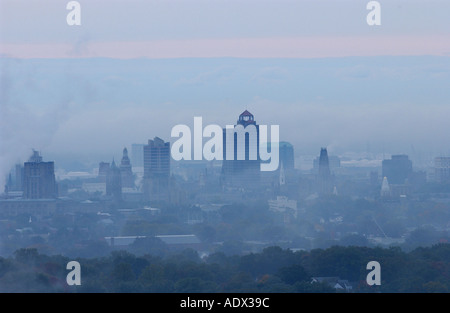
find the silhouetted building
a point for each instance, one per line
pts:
(126, 171)
(324, 178)
(244, 173)
(156, 170)
(103, 171)
(324, 164)
(39, 178)
(442, 169)
(333, 163)
(18, 181)
(9, 184)
(14, 183)
(287, 155)
(114, 182)
(397, 169)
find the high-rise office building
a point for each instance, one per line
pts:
(39, 178)
(324, 177)
(156, 170)
(103, 171)
(126, 171)
(324, 164)
(19, 172)
(334, 162)
(287, 155)
(398, 169)
(245, 172)
(442, 169)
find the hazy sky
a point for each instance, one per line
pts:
(215, 28)
(313, 67)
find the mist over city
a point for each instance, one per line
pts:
(93, 171)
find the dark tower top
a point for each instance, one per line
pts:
(114, 182)
(39, 178)
(246, 118)
(36, 157)
(242, 173)
(126, 171)
(125, 159)
(324, 164)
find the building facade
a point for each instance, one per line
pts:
(244, 173)
(114, 182)
(442, 169)
(397, 169)
(39, 178)
(287, 155)
(126, 170)
(324, 177)
(156, 170)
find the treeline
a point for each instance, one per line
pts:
(272, 270)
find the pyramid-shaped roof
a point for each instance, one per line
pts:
(246, 113)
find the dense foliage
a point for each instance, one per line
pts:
(272, 270)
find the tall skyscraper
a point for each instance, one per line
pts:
(125, 170)
(103, 171)
(397, 169)
(324, 164)
(287, 155)
(156, 170)
(333, 163)
(242, 173)
(19, 172)
(324, 178)
(114, 182)
(442, 169)
(39, 178)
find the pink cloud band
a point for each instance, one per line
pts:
(299, 47)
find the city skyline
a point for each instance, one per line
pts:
(338, 81)
(224, 146)
(347, 155)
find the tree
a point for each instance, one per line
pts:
(435, 287)
(194, 285)
(423, 236)
(292, 274)
(26, 256)
(123, 272)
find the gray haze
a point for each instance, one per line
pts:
(87, 110)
